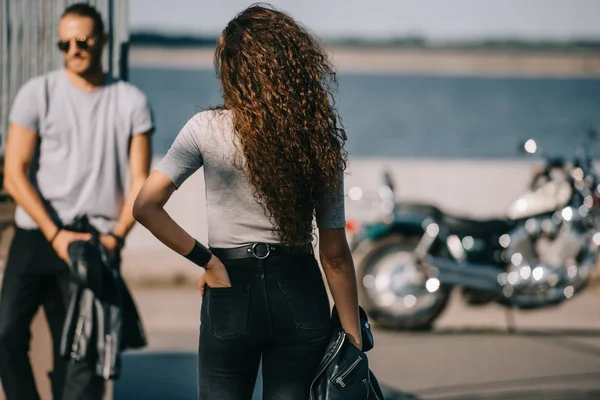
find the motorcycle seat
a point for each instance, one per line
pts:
(419, 208)
(457, 225)
(478, 228)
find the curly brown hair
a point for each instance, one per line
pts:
(278, 83)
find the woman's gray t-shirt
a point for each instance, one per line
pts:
(234, 217)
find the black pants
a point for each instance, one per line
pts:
(276, 309)
(35, 276)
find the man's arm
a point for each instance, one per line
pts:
(140, 155)
(20, 148)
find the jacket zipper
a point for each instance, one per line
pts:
(340, 379)
(107, 356)
(77, 337)
(337, 350)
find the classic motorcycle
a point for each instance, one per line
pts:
(540, 254)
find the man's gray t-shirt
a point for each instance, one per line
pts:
(82, 163)
(234, 217)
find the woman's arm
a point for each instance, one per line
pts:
(337, 263)
(181, 161)
(148, 210)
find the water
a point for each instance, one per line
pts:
(414, 116)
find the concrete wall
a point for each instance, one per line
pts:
(477, 188)
(375, 60)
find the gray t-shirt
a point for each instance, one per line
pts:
(82, 162)
(234, 216)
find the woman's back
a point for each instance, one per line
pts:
(234, 216)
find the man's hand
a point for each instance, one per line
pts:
(110, 242)
(63, 239)
(215, 276)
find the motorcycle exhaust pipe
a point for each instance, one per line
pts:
(475, 276)
(486, 278)
(580, 277)
(452, 272)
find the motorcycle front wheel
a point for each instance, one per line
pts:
(393, 291)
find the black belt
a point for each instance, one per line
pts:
(260, 251)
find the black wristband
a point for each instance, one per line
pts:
(199, 255)
(51, 241)
(120, 239)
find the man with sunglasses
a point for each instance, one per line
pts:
(77, 138)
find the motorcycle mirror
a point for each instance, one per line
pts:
(387, 179)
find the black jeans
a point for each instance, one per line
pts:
(35, 276)
(276, 309)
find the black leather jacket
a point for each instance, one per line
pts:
(343, 372)
(102, 319)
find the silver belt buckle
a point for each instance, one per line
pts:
(261, 257)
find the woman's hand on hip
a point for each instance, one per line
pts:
(215, 276)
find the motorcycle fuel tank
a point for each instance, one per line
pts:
(548, 197)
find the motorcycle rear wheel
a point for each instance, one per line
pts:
(392, 289)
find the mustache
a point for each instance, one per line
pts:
(79, 57)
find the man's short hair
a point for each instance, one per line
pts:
(86, 10)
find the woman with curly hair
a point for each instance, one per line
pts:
(273, 158)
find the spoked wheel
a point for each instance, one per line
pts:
(394, 292)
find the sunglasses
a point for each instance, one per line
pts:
(81, 43)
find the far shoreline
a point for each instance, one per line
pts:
(381, 60)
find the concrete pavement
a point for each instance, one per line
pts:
(552, 354)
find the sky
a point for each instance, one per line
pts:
(437, 20)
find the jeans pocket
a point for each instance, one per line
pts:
(307, 302)
(227, 311)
